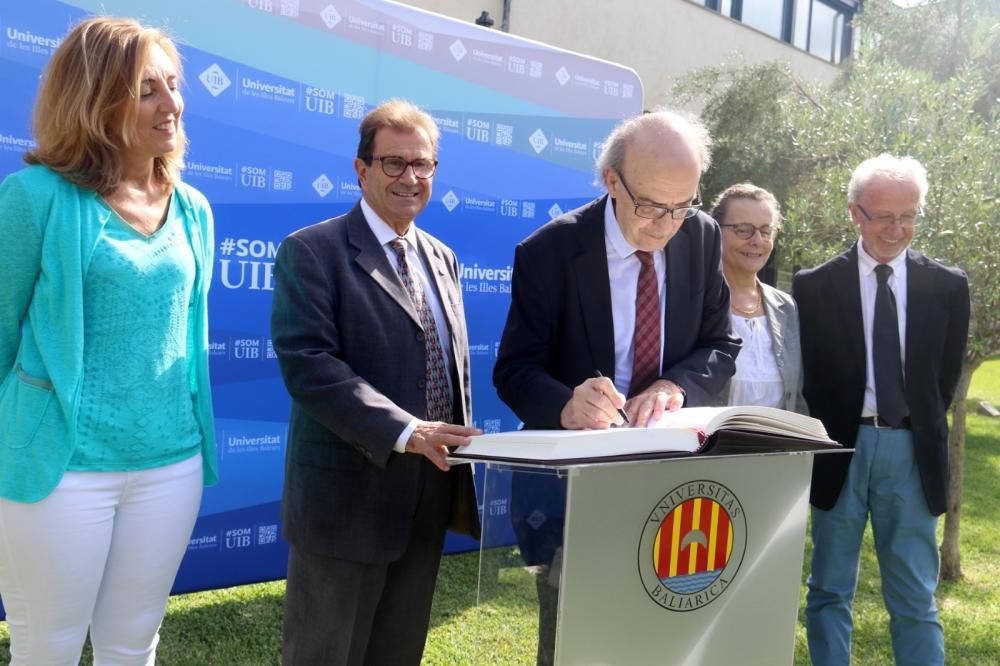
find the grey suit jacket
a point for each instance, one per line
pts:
(351, 351)
(783, 325)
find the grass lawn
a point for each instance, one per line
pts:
(242, 625)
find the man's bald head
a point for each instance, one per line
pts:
(671, 137)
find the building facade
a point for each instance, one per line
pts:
(665, 39)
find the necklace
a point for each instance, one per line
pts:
(749, 312)
(146, 213)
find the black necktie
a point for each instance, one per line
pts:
(889, 393)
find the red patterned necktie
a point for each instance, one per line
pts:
(646, 344)
(439, 401)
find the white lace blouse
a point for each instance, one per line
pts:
(757, 380)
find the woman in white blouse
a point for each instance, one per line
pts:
(769, 366)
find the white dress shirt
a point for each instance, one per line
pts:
(623, 270)
(385, 235)
(869, 285)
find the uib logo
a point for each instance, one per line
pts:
(238, 538)
(322, 185)
(215, 80)
(450, 200)
(330, 16)
(538, 140)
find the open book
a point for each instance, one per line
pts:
(689, 431)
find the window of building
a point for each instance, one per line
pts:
(826, 32)
(764, 15)
(821, 27)
(800, 22)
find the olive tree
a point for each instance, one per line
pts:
(924, 82)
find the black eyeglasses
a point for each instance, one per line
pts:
(907, 219)
(745, 230)
(653, 212)
(395, 166)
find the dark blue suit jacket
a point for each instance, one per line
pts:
(351, 351)
(833, 363)
(560, 330)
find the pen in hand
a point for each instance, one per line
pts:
(621, 412)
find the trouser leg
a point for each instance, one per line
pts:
(837, 535)
(155, 515)
(341, 612)
(906, 545)
(52, 559)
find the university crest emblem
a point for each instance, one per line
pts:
(692, 545)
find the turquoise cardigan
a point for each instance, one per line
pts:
(48, 229)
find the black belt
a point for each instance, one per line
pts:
(879, 423)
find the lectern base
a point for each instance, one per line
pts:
(680, 561)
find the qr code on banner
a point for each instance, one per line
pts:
(505, 134)
(491, 425)
(281, 180)
(289, 8)
(354, 106)
(267, 534)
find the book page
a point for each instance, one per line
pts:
(768, 420)
(579, 444)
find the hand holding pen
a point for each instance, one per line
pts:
(621, 412)
(594, 405)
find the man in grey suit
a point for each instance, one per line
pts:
(368, 327)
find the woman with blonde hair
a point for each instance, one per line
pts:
(769, 366)
(106, 433)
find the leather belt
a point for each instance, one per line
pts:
(877, 422)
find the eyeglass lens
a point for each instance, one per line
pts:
(394, 166)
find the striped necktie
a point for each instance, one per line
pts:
(646, 343)
(439, 399)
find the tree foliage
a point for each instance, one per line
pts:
(924, 82)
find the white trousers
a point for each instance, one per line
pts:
(101, 551)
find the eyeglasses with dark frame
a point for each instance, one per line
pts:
(395, 166)
(907, 219)
(654, 212)
(745, 230)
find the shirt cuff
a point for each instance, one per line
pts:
(404, 437)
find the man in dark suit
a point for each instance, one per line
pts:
(883, 338)
(577, 279)
(368, 327)
(629, 286)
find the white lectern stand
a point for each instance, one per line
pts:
(693, 560)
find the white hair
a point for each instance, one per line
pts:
(896, 168)
(687, 124)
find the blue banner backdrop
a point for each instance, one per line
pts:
(274, 92)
